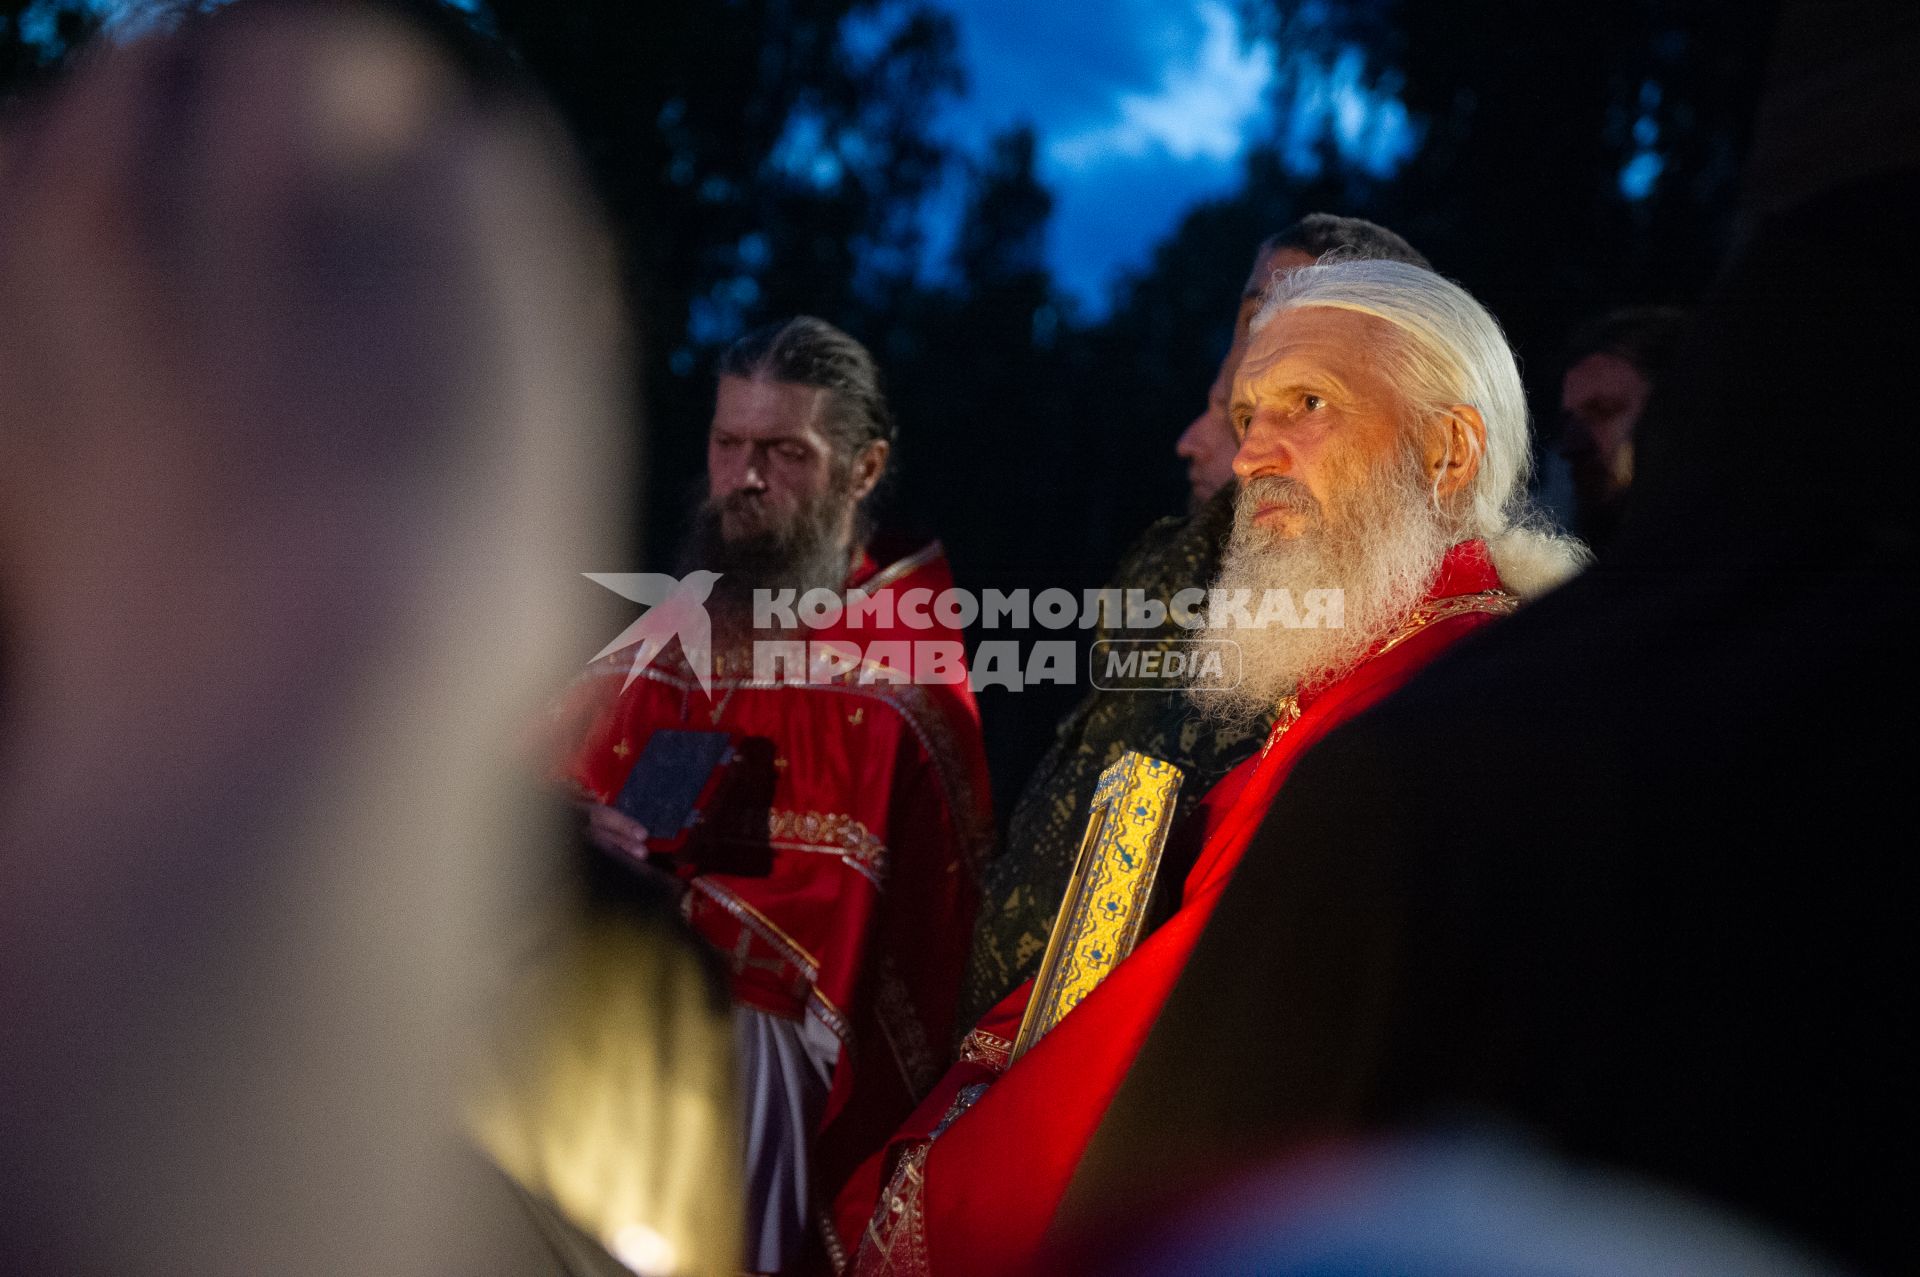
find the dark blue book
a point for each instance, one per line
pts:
(676, 770)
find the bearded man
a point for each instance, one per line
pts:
(1023, 886)
(834, 865)
(1383, 452)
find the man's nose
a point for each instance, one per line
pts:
(753, 480)
(1192, 439)
(1260, 453)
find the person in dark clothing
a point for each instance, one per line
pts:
(1678, 951)
(1612, 365)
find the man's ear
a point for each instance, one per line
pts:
(1455, 447)
(868, 465)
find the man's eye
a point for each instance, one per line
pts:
(794, 454)
(1312, 403)
(1241, 424)
(726, 444)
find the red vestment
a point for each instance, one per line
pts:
(846, 891)
(980, 1197)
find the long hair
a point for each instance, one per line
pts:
(808, 351)
(1450, 350)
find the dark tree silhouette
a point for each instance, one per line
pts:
(1529, 121)
(37, 37)
(762, 157)
(983, 372)
(759, 157)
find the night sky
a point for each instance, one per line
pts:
(1144, 107)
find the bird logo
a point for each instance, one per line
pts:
(676, 608)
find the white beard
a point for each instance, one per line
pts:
(1380, 546)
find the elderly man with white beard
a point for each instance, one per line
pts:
(1384, 454)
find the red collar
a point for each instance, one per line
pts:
(1466, 571)
(863, 568)
(1467, 568)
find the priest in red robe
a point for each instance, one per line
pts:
(1383, 453)
(834, 868)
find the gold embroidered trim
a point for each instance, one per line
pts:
(1105, 906)
(990, 1049)
(901, 567)
(830, 1238)
(896, 1239)
(819, 1004)
(934, 729)
(1495, 602)
(1284, 717)
(906, 1035)
(761, 925)
(831, 833)
(732, 669)
(930, 727)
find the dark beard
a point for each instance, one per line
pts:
(804, 555)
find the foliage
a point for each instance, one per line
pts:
(37, 37)
(759, 157)
(766, 157)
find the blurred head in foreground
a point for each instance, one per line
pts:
(307, 374)
(1440, 1204)
(1208, 443)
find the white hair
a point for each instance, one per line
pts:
(1450, 351)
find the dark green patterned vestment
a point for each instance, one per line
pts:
(1023, 886)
